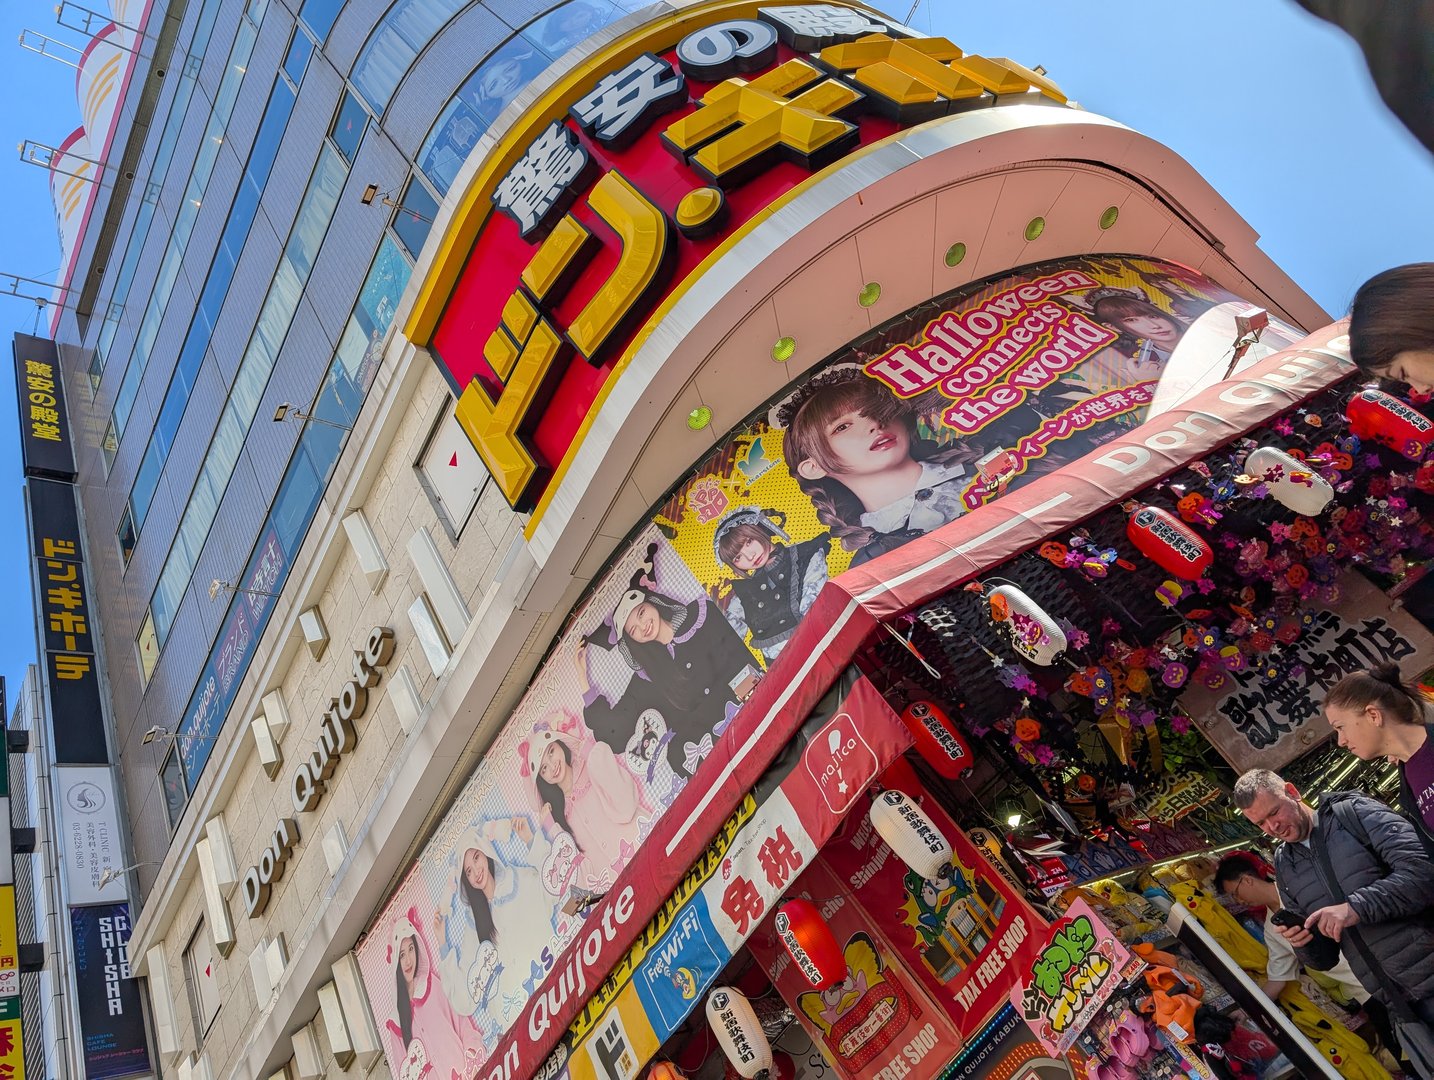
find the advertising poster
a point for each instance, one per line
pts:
(1079, 966)
(1006, 1049)
(89, 833)
(1266, 723)
(967, 935)
(878, 1021)
(970, 397)
(111, 1018)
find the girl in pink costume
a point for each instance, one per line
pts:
(588, 793)
(429, 1039)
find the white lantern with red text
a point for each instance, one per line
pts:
(1169, 543)
(937, 739)
(810, 942)
(738, 1033)
(1033, 633)
(1289, 480)
(911, 834)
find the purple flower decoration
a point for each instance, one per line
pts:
(1179, 723)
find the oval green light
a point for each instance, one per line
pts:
(784, 348)
(1109, 218)
(870, 294)
(1035, 227)
(699, 418)
(955, 253)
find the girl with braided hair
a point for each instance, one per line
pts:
(854, 450)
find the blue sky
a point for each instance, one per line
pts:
(1275, 108)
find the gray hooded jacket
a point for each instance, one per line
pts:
(1386, 877)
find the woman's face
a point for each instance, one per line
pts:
(643, 623)
(476, 868)
(751, 556)
(1356, 731)
(1156, 328)
(861, 445)
(502, 81)
(1415, 367)
(554, 766)
(408, 957)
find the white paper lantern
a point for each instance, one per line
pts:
(911, 834)
(1033, 633)
(738, 1032)
(1298, 487)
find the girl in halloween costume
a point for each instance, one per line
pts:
(499, 917)
(690, 667)
(775, 584)
(431, 1041)
(853, 448)
(587, 793)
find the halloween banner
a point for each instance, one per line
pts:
(898, 435)
(878, 1021)
(967, 935)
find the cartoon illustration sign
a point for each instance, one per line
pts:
(1081, 963)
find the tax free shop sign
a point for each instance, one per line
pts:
(337, 736)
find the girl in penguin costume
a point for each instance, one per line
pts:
(775, 583)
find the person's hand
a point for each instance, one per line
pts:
(1297, 936)
(438, 925)
(522, 829)
(1332, 921)
(580, 663)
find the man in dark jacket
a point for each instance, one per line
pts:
(1383, 888)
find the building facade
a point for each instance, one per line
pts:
(443, 357)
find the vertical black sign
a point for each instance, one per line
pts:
(110, 1017)
(66, 631)
(45, 448)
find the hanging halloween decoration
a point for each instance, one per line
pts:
(738, 1032)
(1290, 481)
(910, 833)
(812, 945)
(1033, 633)
(1373, 414)
(1169, 543)
(937, 739)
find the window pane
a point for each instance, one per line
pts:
(148, 646)
(348, 128)
(455, 133)
(415, 217)
(125, 535)
(173, 783)
(319, 16)
(300, 47)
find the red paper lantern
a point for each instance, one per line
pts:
(937, 739)
(1373, 414)
(1169, 543)
(811, 943)
(664, 1070)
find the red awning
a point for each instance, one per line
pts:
(848, 611)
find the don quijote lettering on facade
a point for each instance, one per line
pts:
(337, 736)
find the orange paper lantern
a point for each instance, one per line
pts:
(937, 739)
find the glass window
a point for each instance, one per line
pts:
(297, 58)
(109, 446)
(348, 127)
(171, 779)
(454, 134)
(319, 16)
(148, 646)
(125, 535)
(415, 216)
(141, 496)
(577, 20)
(407, 27)
(203, 981)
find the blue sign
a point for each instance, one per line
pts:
(683, 963)
(111, 1021)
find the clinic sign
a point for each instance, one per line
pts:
(338, 735)
(583, 225)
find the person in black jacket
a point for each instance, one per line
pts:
(1376, 904)
(1376, 714)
